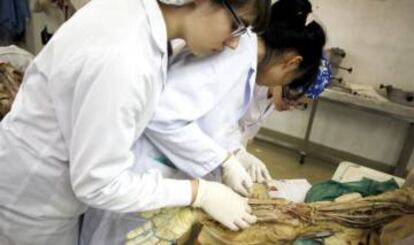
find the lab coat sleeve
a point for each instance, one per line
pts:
(192, 90)
(188, 147)
(235, 138)
(108, 112)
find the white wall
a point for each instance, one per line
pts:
(378, 37)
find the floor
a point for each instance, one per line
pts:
(284, 164)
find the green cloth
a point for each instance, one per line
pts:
(330, 190)
(306, 242)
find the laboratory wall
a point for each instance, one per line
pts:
(377, 36)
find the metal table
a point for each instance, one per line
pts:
(384, 108)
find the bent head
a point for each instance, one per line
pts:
(290, 48)
(302, 91)
(210, 25)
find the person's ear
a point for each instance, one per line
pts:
(293, 63)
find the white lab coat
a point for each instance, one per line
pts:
(202, 97)
(260, 108)
(67, 141)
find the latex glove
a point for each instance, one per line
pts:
(235, 176)
(254, 166)
(224, 205)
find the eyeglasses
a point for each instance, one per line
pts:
(289, 94)
(292, 96)
(241, 28)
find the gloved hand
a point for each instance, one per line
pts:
(224, 205)
(235, 176)
(254, 166)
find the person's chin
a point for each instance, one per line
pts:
(202, 53)
(196, 51)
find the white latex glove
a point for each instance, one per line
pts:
(254, 166)
(235, 176)
(224, 205)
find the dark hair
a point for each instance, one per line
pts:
(261, 9)
(288, 31)
(303, 82)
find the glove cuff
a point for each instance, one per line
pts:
(239, 151)
(242, 149)
(228, 161)
(199, 200)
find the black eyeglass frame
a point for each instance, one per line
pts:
(241, 27)
(286, 94)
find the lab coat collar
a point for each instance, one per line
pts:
(253, 37)
(158, 25)
(253, 69)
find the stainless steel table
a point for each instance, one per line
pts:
(384, 108)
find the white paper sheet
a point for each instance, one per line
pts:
(293, 189)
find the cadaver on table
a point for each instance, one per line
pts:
(282, 222)
(10, 80)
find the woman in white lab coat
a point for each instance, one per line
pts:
(187, 137)
(199, 93)
(86, 99)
